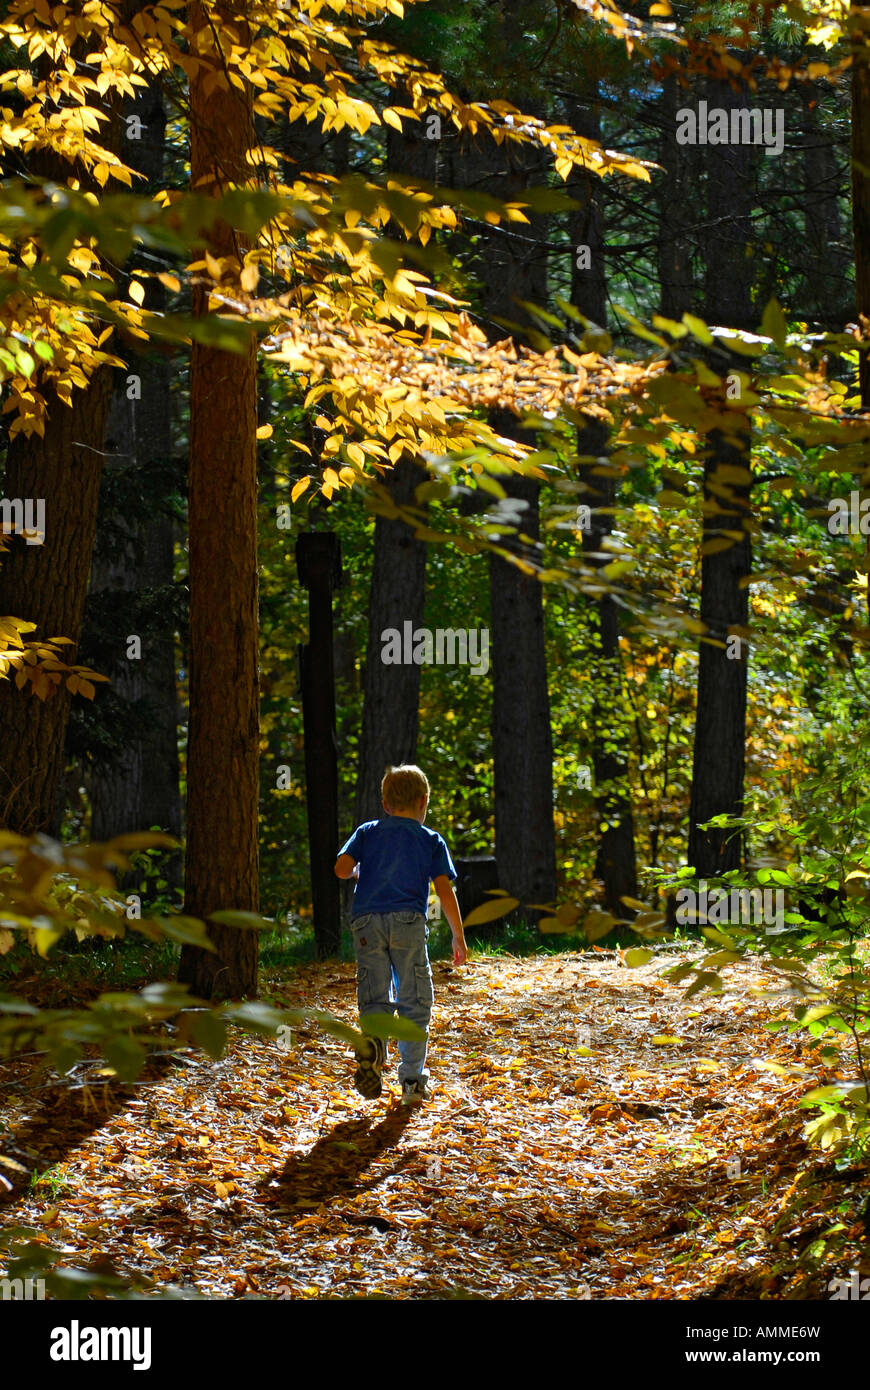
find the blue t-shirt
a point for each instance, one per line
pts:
(397, 857)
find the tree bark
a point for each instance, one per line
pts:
(826, 293)
(47, 584)
(720, 725)
(223, 747)
(318, 559)
(861, 197)
(391, 694)
(677, 199)
(615, 860)
(138, 787)
(513, 266)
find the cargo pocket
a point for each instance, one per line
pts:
(364, 985)
(425, 992)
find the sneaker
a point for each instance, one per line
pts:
(367, 1078)
(414, 1092)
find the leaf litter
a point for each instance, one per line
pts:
(590, 1134)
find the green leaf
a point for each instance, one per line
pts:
(210, 1032)
(64, 1056)
(229, 917)
(388, 1026)
(140, 839)
(554, 925)
(638, 955)
(190, 931)
(489, 912)
(597, 924)
(698, 328)
(126, 1056)
(773, 324)
(262, 1018)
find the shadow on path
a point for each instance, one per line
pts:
(333, 1168)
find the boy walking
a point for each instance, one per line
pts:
(394, 859)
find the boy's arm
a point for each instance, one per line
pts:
(345, 866)
(447, 898)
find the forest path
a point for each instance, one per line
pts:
(592, 1136)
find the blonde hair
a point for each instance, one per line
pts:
(403, 787)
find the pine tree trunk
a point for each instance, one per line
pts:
(861, 194)
(615, 860)
(47, 584)
(720, 726)
(861, 179)
(677, 197)
(512, 267)
(138, 787)
(221, 867)
(391, 695)
(826, 297)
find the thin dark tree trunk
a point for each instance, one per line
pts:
(138, 787)
(47, 584)
(861, 180)
(391, 693)
(512, 267)
(826, 297)
(861, 195)
(720, 726)
(221, 867)
(615, 860)
(677, 197)
(318, 558)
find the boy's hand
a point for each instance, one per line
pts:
(447, 898)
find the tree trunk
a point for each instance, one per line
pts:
(318, 559)
(522, 740)
(720, 727)
(512, 266)
(677, 199)
(138, 787)
(223, 747)
(826, 298)
(615, 860)
(860, 195)
(47, 584)
(391, 695)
